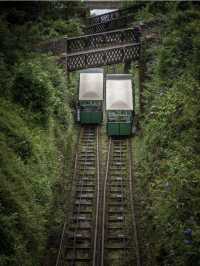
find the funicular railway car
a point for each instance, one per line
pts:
(119, 105)
(90, 104)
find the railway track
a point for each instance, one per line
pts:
(119, 245)
(79, 238)
(101, 228)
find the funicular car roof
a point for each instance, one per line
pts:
(119, 92)
(91, 85)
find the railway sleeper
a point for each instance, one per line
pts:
(80, 241)
(88, 140)
(117, 237)
(89, 187)
(82, 173)
(121, 150)
(114, 231)
(115, 212)
(117, 197)
(121, 246)
(117, 192)
(79, 245)
(85, 189)
(78, 248)
(117, 182)
(78, 227)
(117, 163)
(88, 147)
(79, 235)
(115, 227)
(116, 209)
(117, 204)
(89, 161)
(82, 168)
(116, 219)
(79, 259)
(83, 202)
(87, 153)
(116, 177)
(84, 196)
(88, 143)
(81, 218)
(90, 158)
(84, 211)
(85, 183)
(85, 177)
(82, 224)
(117, 189)
(117, 185)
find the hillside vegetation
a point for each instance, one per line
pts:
(36, 128)
(37, 133)
(167, 150)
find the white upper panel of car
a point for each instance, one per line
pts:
(119, 94)
(91, 85)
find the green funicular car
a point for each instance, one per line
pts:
(119, 104)
(90, 105)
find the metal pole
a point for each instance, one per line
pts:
(66, 51)
(141, 75)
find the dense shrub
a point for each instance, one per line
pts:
(168, 151)
(36, 133)
(33, 90)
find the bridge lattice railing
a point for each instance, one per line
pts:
(102, 40)
(110, 16)
(102, 57)
(91, 42)
(116, 23)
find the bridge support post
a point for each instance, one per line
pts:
(127, 67)
(66, 51)
(141, 77)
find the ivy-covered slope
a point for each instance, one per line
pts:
(167, 151)
(36, 129)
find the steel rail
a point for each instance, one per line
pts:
(104, 204)
(97, 200)
(79, 209)
(65, 222)
(118, 202)
(87, 159)
(132, 205)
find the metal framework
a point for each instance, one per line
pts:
(110, 15)
(102, 57)
(92, 41)
(114, 47)
(102, 40)
(112, 20)
(118, 22)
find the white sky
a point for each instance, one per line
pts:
(97, 12)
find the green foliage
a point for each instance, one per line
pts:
(36, 133)
(171, 144)
(25, 170)
(168, 168)
(33, 127)
(33, 90)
